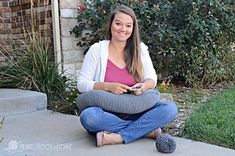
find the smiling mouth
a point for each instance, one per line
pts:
(122, 34)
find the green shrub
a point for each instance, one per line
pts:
(188, 40)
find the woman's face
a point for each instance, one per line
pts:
(122, 27)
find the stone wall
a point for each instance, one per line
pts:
(72, 55)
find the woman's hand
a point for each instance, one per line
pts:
(117, 88)
(138, 88)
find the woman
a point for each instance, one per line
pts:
(119, 64)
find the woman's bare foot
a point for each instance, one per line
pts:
(107, 138)
(154, 134)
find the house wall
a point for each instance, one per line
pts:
(5, 24)
(72, 55)
(16, 17)
(19, 17)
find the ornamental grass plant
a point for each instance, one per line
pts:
(31, 67)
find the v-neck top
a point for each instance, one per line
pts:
(119, 75)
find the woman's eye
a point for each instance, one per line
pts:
(128, 26)
(118, 23)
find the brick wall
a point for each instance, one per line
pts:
(5, 23)
(22, 16)
(17, 15)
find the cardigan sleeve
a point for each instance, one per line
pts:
(86, 77)
(148, 69)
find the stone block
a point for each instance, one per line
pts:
(66, 4)
(70, 71)
(66, 26)
(77, 73)
(70, 43)
(79, 65)
(73, 56)
(68, 13)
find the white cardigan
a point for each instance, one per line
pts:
(95, 61)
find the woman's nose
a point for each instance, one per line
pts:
(123, 28)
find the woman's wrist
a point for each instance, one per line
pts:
(106, 86)
(148, 84)
(101, 86)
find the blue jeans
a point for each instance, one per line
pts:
(135, 126)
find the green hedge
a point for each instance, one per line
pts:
(188, 40)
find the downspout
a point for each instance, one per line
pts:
(56, 34)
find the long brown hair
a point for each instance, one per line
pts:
(132, 48)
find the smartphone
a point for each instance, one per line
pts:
(129, 92)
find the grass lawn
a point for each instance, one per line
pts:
(214, 121)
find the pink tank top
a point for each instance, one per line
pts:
(116, 74)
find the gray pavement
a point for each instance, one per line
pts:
(47, 133)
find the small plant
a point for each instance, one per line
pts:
(193, 96)
(165, 86)
(68, 103)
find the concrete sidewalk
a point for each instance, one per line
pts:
(44, 133)
(31, 130)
